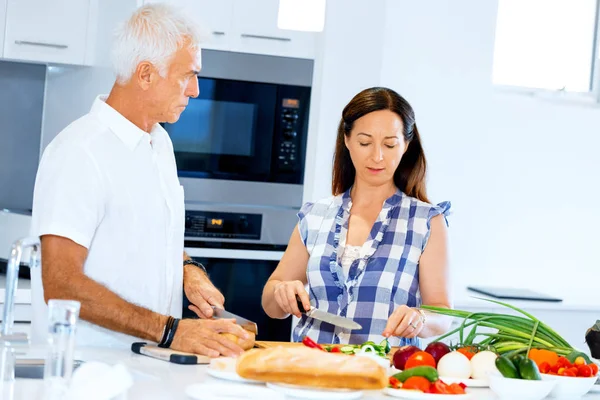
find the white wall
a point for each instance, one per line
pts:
(348, 60)
(522, 173)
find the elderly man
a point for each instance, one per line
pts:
(109, 208)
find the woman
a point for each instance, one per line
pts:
(376, 250)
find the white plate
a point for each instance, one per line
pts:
(473, 383)
(218, 391)
(224, 368)
(228, 376)
(302, 392)
(414, 394)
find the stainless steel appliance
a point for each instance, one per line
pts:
(240, 150)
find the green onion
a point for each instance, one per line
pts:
(514, 333)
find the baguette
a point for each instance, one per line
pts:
(305, 366)
(245, 344)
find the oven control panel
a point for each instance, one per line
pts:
(289, 144)
(222, 225)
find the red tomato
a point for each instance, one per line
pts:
(416, 383)
(439, 387)
(455, 388)
(336, 350)
(418, 359)
(395, 383)
(563, 362)
(467, 351)
(584, 371)
(544, 367)
(594, 368)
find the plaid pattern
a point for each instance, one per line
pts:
(384, 277)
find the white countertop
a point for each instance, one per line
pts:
(154, 379)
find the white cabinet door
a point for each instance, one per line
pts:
(255, 25)
(2, 25)
(214, 19)
(53, 31)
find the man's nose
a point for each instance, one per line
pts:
(193, 89)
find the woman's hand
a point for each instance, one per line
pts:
(285, 295)
(404, 322)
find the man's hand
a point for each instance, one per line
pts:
(203, 337)
(201, 292)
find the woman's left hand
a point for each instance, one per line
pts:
(404, 322)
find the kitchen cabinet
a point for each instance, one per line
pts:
(214, 17)
(2, 24)
(247, 27)
(255, 31)
(47, 31)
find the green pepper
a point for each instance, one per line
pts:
(516, 359)
(425, 371)
(507, 368)
(528, 369)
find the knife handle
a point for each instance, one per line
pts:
(300, 305)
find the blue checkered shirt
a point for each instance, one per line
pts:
(385, 276)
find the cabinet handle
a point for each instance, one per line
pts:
(55, 46)
(281, 39)
(218, 33)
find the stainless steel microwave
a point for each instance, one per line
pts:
(243, 130)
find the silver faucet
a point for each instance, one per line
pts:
(12, 276)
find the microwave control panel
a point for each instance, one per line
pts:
(222, 225)
(289, 145)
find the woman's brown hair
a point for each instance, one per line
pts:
(410, 174)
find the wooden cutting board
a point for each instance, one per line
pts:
(267, 345)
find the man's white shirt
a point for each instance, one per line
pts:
(113, 188)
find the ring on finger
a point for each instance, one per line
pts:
(413, 326)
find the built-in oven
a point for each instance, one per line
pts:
(240, 150)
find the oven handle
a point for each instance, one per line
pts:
(262, 255)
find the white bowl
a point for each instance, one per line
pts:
(519, 389)
(569, 387)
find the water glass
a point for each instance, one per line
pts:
(7, 372)
(62, 323)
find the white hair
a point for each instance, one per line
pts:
(153, 33)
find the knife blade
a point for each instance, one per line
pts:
(330, 318)
(220, 313)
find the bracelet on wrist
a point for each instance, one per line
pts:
(168, 332)
(197, 264)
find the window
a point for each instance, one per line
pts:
(546, 44)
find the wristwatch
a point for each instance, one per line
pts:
(197, 264)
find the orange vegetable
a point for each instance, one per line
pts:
(469, 352)
(418, 359)
(417, 383)
(540, 356)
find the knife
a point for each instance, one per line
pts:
(333, 319)
(220, 313)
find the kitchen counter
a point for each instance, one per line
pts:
(156, 379)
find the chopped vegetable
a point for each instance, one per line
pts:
(417, 383)
(430, 373)
(308, 342)
(395, 383)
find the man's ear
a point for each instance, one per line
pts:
(144, 74)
